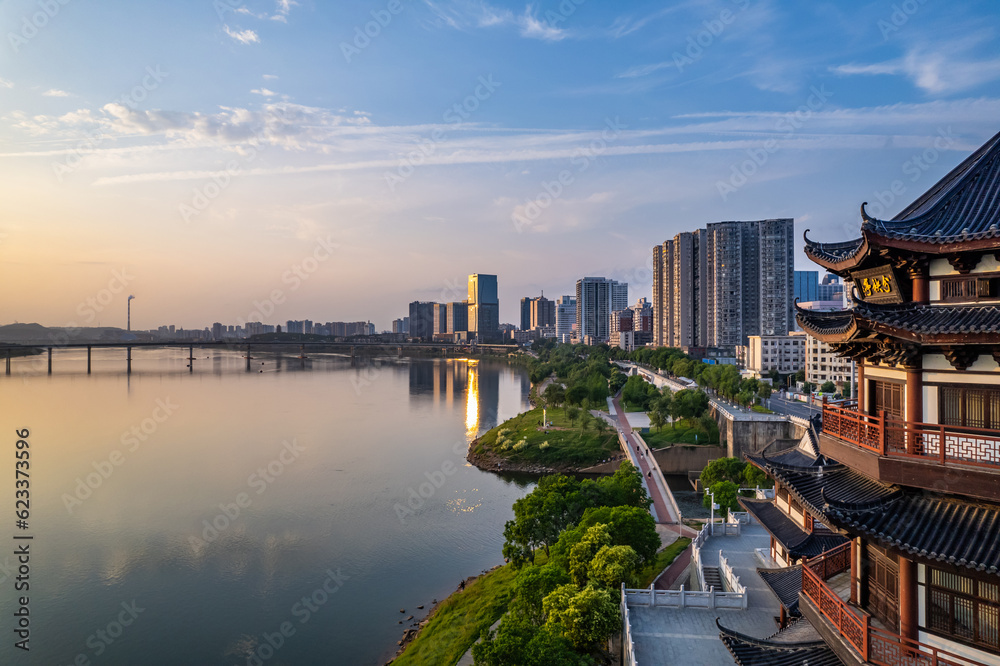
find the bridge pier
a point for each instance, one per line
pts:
(8, 362)
(128, 367)
(248, 358)
(88, 359)
(50, 360)
(191, 358)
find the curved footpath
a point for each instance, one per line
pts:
(663, 506)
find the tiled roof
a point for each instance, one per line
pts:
(829, 480)
(793, 538)
(773, 651)
(934, 319)
(964, 205)
(786, 583)
(917, 319)
(948, 529)
(832, 252)
(832, 322)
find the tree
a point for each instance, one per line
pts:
(688, 404)
(722, 469)
(587, 617)
(808, 387)
(628, 526)
(662, 405)
(656, 420)
(517, 641)
(754, 477)
(576, 394)
(531, 586)
(554, 395)
(764, 392)
(573, 413)
(581, 554)
(614, 565)
(725, 493)
(828, 387)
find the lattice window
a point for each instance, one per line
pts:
(972, 407)
(969, 288)
(964, 608)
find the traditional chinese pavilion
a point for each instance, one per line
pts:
(907, 475)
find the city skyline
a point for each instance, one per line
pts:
(533, 144)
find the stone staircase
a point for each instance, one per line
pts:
(713, 579)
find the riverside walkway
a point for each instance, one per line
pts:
(664, 507)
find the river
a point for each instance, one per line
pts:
(219, 517)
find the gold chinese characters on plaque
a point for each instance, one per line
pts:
(878, 285)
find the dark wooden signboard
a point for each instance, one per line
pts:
(878, 285)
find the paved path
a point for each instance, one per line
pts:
(663, 508)
(689, 636)
(793, 407)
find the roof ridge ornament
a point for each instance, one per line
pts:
(868, 219)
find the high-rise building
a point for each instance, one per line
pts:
(526, 313)
(719, 285)
(458, 317)
(422, 320)
(595, 301)
(806, 286)
(830, 289)
(440, 318)
(484, 306)
(543, 312)
(680, 293)
(565, 318)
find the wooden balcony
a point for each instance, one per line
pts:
(870, 644)
(922, 455)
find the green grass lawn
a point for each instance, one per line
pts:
(762, 409)
(460, 619)
(574, 445)
(664, 559)
(682, 432)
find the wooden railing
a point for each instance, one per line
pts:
(886, 436)
(875, 645)
(851, 626)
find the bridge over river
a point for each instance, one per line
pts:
(247, 347)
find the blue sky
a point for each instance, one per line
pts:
(221, 151)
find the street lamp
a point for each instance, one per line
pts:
(714, 507)
(129, 320)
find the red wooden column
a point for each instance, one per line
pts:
(914, 405)
(909, 619)
(918, 273)
(862, 407)
(855, 569)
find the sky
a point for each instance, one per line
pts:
(334, 161)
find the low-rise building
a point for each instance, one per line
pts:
(784, 353)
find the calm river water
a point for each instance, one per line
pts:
(221, 517)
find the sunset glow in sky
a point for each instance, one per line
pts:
(355, 156)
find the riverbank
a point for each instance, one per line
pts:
(568, 441)
(455, 623)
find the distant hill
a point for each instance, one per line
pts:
(38, 334)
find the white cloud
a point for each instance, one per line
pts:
(941, 71)
(53, 92)
(269, 77)
(242, 36)
(4, 83)
(264, 91)
(283, 8)
(532, 27)
(468, 14)
(643, 70)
